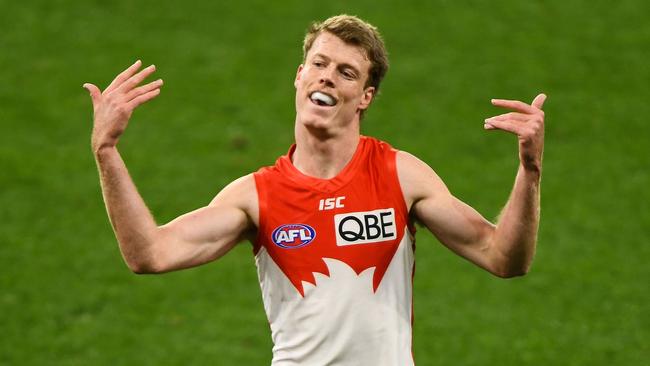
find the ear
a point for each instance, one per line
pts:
(295, 82)
(366, 98)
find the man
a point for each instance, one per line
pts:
(331, 222)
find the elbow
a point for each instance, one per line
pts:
(511, 266)
(140, 269)
(143, 267)
(144, 264)
(142, 257)
(511, 271)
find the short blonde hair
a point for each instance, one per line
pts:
(356, 32)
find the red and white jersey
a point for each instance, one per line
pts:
(335, 262)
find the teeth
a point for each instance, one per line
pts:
(323, 98)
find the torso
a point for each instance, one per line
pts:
(335, 261)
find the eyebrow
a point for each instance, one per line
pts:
(328, 59)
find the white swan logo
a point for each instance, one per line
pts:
(356, 285)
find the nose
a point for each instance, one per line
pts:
(326, 78)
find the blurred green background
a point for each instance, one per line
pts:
(227, 108)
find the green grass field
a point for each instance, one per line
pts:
(227, 108)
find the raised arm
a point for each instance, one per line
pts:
(190, 240)
(507, 248)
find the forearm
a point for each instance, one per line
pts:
(132, 222)
(515, 236)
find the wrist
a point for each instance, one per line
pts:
(100, 142)
(532, 171)
(531, 163)
(103, 149)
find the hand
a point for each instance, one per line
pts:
(527, 123)
(113, 107)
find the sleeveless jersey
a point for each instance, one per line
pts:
(335, 262)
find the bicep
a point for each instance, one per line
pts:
(200, 236)
(209, 232)
(454, 223)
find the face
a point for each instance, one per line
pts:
(330, 89)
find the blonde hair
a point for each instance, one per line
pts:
(356, 32)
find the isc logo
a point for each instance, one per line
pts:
(331, 203)
(365, 227)
(293, 235)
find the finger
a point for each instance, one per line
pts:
(514, 104)
(143, 98)
(512, 116)
(143, 89)
(124, 75)
(539, 100)
(136, 79)
(94, 91)
(506, 125)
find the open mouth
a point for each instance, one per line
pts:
(322, 99)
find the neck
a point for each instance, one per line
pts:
(323, 154)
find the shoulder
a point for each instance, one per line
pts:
(417, 179)
(240, 193)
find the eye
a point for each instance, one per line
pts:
(319, 63)
(349, 74)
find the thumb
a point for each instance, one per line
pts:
(538, 102)
(94, 91)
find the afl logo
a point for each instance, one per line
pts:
(293, 236)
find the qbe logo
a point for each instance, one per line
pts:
(293, 236)
(365, 227)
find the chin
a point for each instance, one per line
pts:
(330, 122)
(319, 126)
(310, 116)
(317, 122)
